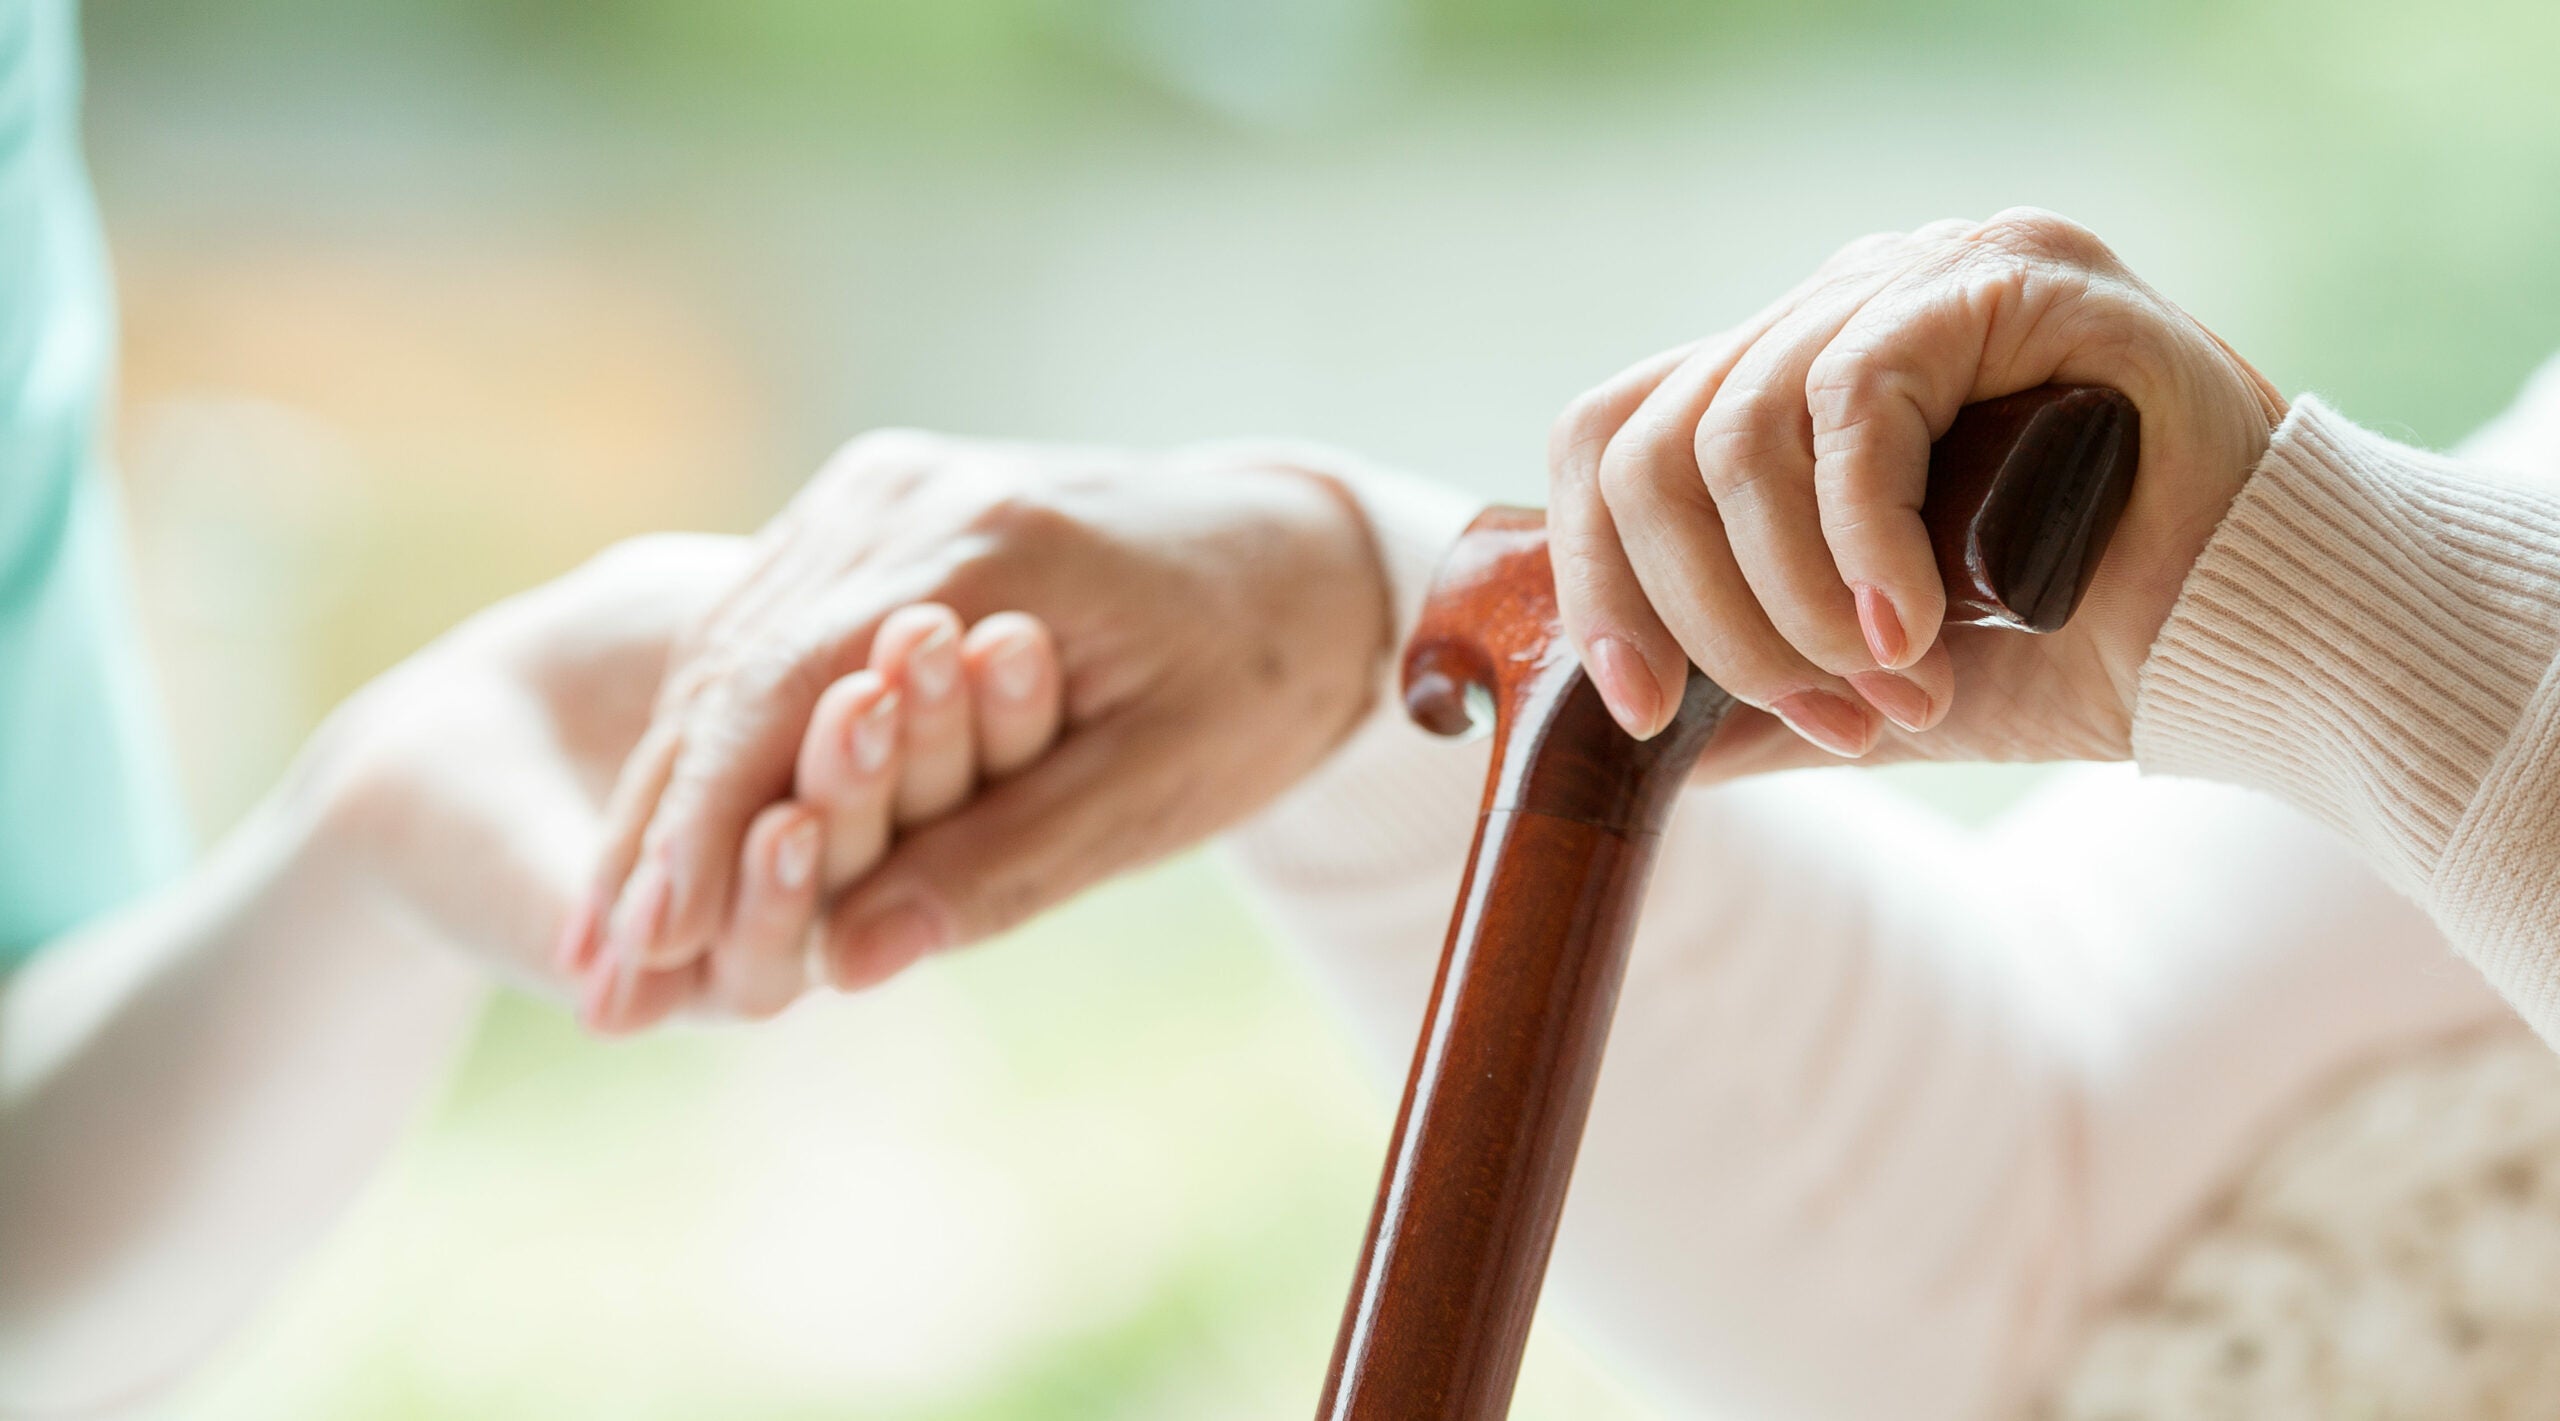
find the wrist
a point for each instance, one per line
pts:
(1329, 568)
(2202, 478)
(2359, 638)
(1405, 523)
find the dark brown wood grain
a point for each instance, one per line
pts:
(2023, 494)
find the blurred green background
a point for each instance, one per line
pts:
(425, 301)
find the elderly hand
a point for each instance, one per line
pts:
(1218, 625)
(889, 748)
(1750, 502)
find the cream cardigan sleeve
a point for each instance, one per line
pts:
(1891, 1105)
(2370, 636)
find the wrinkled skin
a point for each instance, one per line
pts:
(1723, 502)
(1219, 624)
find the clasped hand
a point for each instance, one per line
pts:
(954, 683)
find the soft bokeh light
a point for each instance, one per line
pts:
(427, 299)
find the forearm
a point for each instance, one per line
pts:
(1819, 1007)
(1881, 1087)
(1836, 1119)
(189, 1091)
(2372, 636)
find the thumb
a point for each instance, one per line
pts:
(1097, 806)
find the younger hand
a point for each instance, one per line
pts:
(1750, 502)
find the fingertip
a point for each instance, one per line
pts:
(782, 850)
(851, 736)
(1934, 672)
(1882, 626)
(594, 995)
(639, 915)
(918, 648)
(1829, 721)
(600, 1008)
(1011, 655)
(849, 770)
(1627, 686)
(937, 756)
(756, 968)
(1903, 701)
(576, 944)
(687, 894)
(1013, 666)
(610, 1012)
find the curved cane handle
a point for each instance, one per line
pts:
(2023, 494)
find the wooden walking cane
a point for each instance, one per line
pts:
(2023, 493)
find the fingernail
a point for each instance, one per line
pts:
(1876, 617)
(1901, 700)
(570, 952)
(641, 917)
(875, 734)
(933, 668)
(1826, 720)
(1626, 686)
(595, 995)
(1013, 668)
(889, 944)
(796, 857)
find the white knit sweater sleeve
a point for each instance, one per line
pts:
(1890, 1104)
(2371, 635)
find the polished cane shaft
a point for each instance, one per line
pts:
(2023, 494)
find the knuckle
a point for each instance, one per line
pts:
(898, 457)
(2037, 234)
(701, 671)
(1646, 474)
(1872, 247)
(1739, 453)
(1013, 529)
(770, 669)
(1845, 378)
(1020, 513)
(1580, 429)
(1854, 396)
(1582, 553)
(1593, 589)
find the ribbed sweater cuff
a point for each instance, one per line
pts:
(2370, 635)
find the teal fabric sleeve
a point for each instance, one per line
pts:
(89, 811)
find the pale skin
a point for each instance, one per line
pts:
(1217, 619)
(956, 683)
(939, 711)
(1750, 502)
(192, 1086)
(1746, 503)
